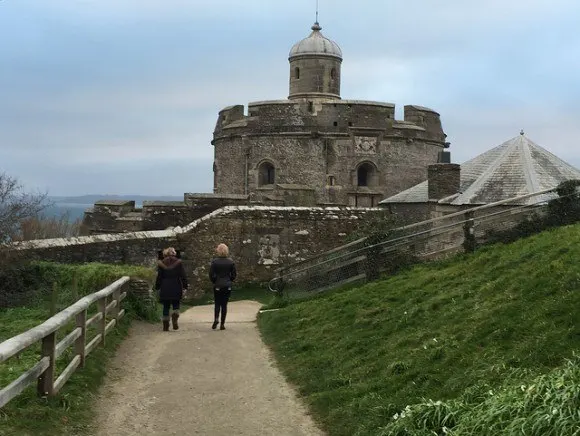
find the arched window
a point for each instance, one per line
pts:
(266, 174)
(333, 73)
(364, 174)
(297, 73)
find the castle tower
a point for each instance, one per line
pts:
(315, 67)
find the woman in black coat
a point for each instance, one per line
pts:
(222, 272)
(172, 284)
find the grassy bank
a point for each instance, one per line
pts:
(455, 344)
(70, 412)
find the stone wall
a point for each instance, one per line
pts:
(310, 76)
(114, 216)
(137, 248)
(260, 238)
(410, 212)
(443, 180)
(322, 143)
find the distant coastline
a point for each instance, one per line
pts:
(75, 206)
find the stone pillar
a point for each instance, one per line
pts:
(443, 180)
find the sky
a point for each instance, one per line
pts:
(122, 96)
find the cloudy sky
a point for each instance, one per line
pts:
(121, 96)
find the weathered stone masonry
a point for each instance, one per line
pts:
(260, 239)
(311, 149)
(344, 151)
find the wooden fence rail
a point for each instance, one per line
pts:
(44, 371)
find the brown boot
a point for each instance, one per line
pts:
(165, 324)
(174, 318)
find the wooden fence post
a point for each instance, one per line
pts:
(46, 380)
(102, 305)
(80, 343)
(117, 308)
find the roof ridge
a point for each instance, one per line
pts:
(529, 171)
(479, 181)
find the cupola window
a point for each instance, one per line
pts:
(297, 73)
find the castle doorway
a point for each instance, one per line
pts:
(365, 174)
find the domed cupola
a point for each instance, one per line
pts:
(315, 67)
(316, 45)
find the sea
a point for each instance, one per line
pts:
(75, 206)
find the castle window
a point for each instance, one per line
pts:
(267, 174)
(364, 174)
(333, 73)
(331, 181)
(335, 123)
(297, 73)
(311, 107)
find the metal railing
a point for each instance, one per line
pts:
(362, 260)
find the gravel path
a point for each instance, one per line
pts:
(198, 381)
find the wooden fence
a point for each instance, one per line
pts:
(44, 371)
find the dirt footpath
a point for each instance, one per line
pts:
(198, 381)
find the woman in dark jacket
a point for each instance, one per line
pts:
(172, 284)
(222, 272)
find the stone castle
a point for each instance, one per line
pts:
(294, 178)
(312, 149)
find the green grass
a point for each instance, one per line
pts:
(70, 412)
(256, 292)
(449, 331)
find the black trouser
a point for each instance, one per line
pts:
(167, 304)
(221, 298)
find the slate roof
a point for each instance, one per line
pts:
(516, 167)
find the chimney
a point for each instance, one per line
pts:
(443, 178)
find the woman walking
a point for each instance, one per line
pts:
(172, 284)
(222, 273)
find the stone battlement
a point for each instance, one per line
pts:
(327, 116)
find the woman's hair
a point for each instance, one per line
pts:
(170, 251)
(222, 250)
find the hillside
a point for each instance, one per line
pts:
(473, 334)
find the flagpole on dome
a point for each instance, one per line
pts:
(316, 12)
